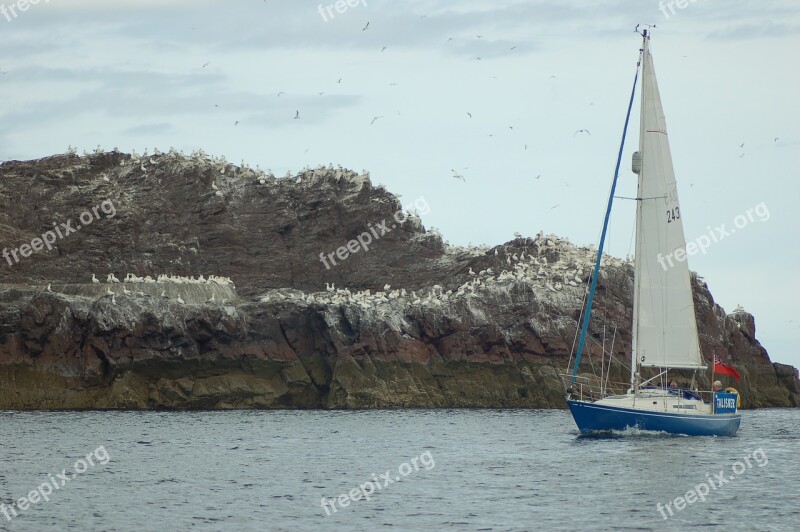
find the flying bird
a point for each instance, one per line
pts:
(383, 49)
(206, 64)
(374, 119)
(296, 115)
(456, 175)
(582, 131)
(281, 93)
(470, 114)
(741, 145)
(365, 27)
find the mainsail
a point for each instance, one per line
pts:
(664, 324)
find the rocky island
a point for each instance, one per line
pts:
(316, 290)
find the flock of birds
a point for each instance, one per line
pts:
(238, 175)
(567, 270)
(161, 279)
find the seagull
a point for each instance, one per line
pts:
(109, 292)
(365, 27)
(383, 49)
(49, 288)
(181, 301)
(374, 119)
(95, 280)
(236, 123)
(469, 114)
(340, 80)
(296, 115)
(280, 93)
(582, 131)
(741, 145)
(776, 139)
(212, 300)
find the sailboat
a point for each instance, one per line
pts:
(664, 328)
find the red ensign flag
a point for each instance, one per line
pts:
(724, 369)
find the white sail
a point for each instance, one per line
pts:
(664, 324)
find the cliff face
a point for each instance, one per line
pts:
(456, 327)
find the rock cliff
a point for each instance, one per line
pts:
(342, 298)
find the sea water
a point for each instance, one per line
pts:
(404, 469)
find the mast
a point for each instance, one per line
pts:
(596, 271)
(638, 225)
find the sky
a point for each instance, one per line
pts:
(418, 91)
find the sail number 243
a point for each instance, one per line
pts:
(673, 214)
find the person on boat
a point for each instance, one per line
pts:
(673, 384)
(717, 387)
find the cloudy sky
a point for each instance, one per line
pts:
(493, 90)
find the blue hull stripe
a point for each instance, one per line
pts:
(593, 417)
